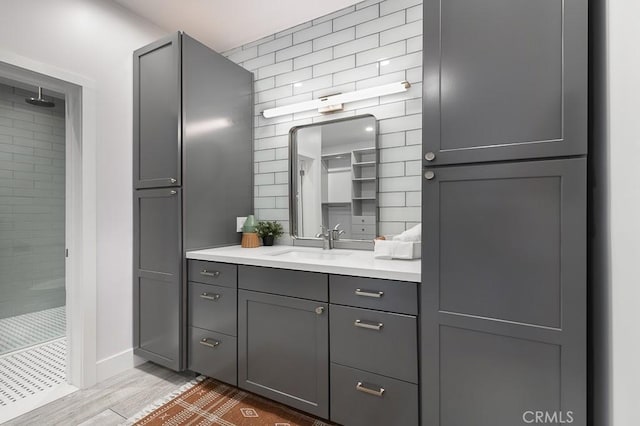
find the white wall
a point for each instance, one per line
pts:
(624, 151)
(95, 39)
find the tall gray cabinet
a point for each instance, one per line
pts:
(503, 296)
(192, 175)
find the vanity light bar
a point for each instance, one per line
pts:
(328, 103)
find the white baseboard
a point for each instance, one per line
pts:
(115, 364)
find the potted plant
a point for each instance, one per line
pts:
(268, 231)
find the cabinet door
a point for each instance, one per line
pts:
(503, 295)
(157, 268)
(156, 114)
(283, 350)
(504, 79)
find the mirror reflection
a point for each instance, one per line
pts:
(333, 168)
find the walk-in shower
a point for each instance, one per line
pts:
(32, 241)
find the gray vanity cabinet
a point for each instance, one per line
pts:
(192, 147)
(283, 341)
(212, 314)
(156, 114)
(504, 292)
(509, 80)
(157, 275)
(374, 351)
(504, 287)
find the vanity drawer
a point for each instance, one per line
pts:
(385, 295)
(363, 220)
(359, 398)
(213, 354)
(375, 341)
(357, 228)
(285, 282)
(223, 274)
(213, 307)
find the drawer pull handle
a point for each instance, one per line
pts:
(362, 388)
(214, 274)
(208, 296)
(369, 326)
(366, 293)
(206, 342)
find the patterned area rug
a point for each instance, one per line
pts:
(205, 401)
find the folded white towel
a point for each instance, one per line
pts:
(382, 249)
(412, 234)
(385, 249)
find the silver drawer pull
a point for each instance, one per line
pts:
(214, 274)
(206, 342)
(367, 325)
(366, 293)
(362, 388)
(208, 296)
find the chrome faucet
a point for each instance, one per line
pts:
(329, 236)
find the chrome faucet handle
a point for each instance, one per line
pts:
(336, 232)
(323, 232)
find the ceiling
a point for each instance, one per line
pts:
(225, 24)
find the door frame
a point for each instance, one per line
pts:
(80, 205)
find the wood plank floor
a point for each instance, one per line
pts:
(109, 402)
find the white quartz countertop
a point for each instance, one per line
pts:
(359, 263)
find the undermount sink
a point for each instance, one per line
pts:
(313, 255)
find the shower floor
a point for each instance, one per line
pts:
(32, 377)
(31, 329)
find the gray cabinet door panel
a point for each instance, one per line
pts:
(156, 114)
(302, 284)
(508, 238)
(351, 405)
(491, 380)
(222, 274)
(213, 308)
(157, 217)
(374, 341)
(157, 331)
(384, 295)
(510, 79)
(283, 350)
(504, 279)
(157, 279)
(213, 354)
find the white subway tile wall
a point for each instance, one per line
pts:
(371, 43)
(32, 195)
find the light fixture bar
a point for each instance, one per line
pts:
(371, 92)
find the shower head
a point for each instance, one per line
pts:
(40, 101)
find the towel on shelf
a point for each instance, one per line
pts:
(385, 249)
(412, 234)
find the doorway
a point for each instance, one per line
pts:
(47, 246)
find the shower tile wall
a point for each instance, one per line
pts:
(371, 43)
(32, 191)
